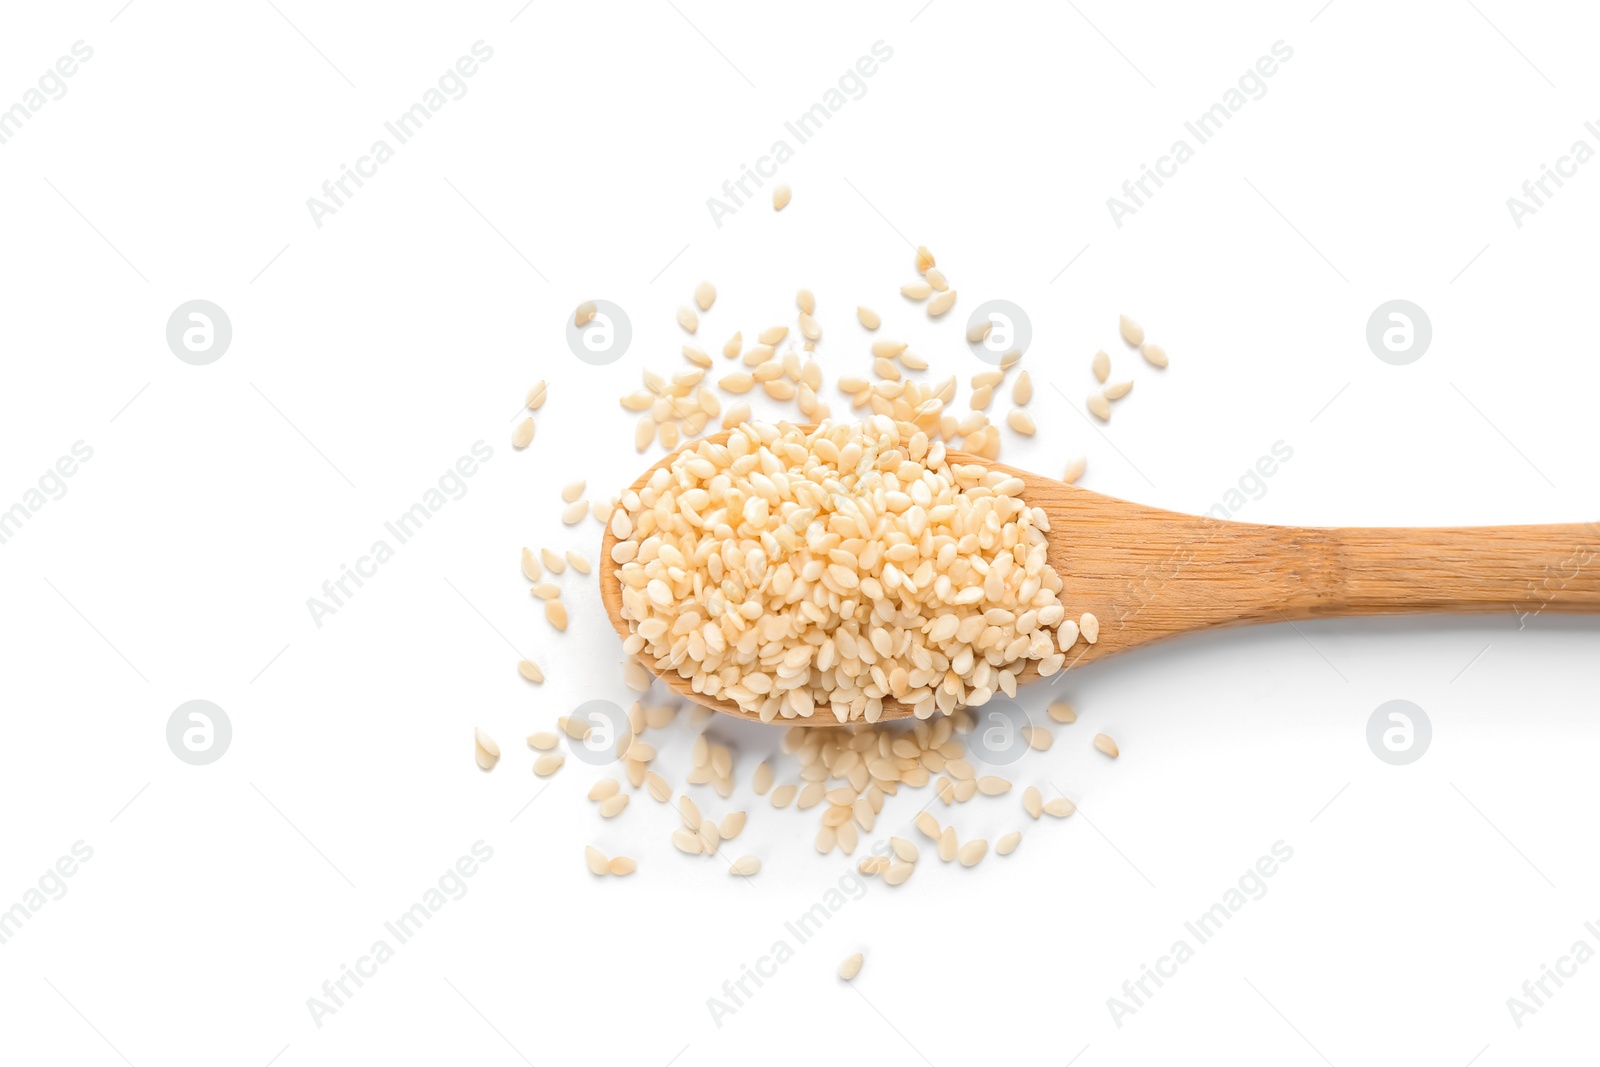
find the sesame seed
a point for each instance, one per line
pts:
(485, 750)
(1022, 392)
(1101, 365)
(1060, 807)
(1031, 802)
(1063, 712)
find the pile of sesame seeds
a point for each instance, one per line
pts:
(847, 771)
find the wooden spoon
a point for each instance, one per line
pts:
(1147, 574)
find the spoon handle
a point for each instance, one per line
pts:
(1155, 574)
(1521, 569)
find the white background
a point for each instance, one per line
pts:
(370, 353)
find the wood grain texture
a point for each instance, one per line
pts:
(1149, 574)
